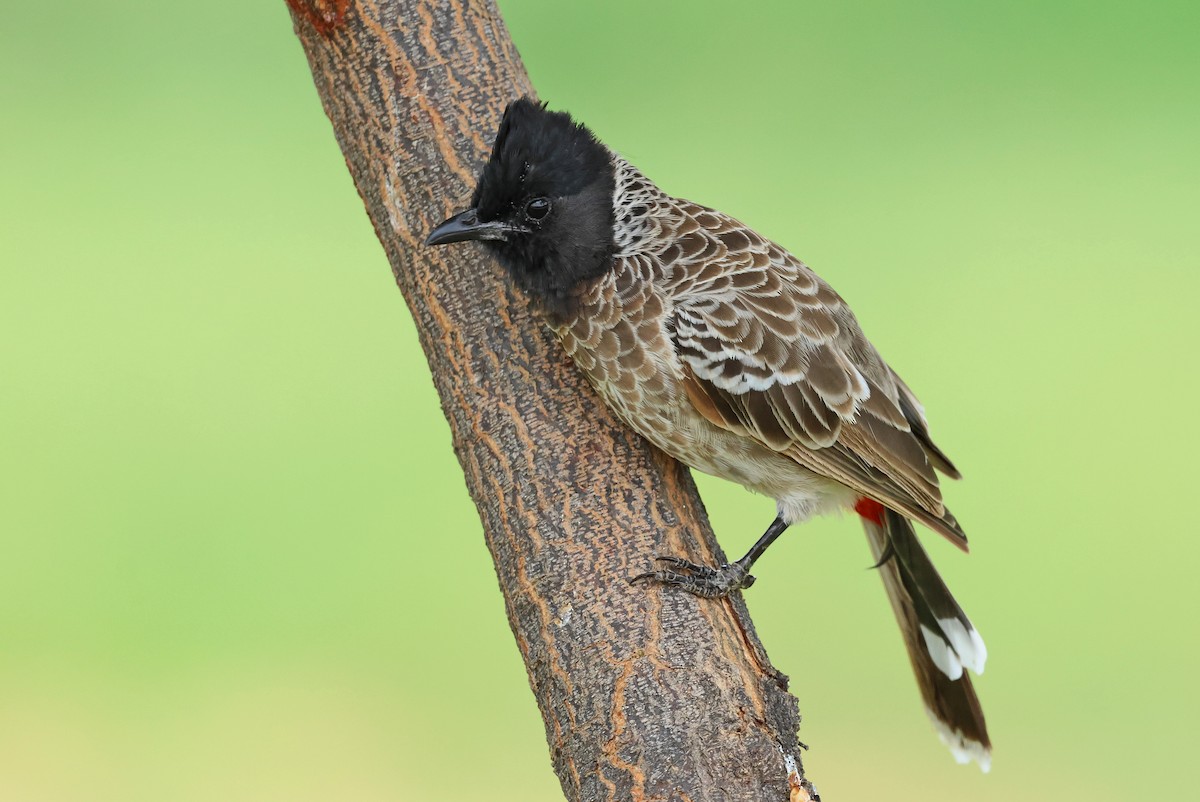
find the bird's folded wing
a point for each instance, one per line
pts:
(772, 352)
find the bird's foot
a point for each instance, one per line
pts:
(699, 580)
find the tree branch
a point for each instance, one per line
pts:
(646, 693)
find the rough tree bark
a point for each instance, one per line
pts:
(646, 694)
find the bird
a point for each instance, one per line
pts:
(735, 358)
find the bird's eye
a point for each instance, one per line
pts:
(537, 208)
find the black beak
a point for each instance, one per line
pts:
(466, 226)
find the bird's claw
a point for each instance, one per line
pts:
(699, 580)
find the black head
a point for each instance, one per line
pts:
(543, 204)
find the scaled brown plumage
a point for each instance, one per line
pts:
(734, 357)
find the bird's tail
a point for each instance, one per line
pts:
(940, 639)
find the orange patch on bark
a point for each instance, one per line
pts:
(325, 15)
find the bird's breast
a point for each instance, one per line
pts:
(621, 341)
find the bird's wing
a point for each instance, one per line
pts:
(772, 352)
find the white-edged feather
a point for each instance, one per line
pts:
(941, 653)
(962, 748)
(966, 642)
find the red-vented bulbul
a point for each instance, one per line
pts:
(730, 354)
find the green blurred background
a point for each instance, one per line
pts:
(221, 455)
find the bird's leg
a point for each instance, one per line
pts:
(706, 581)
